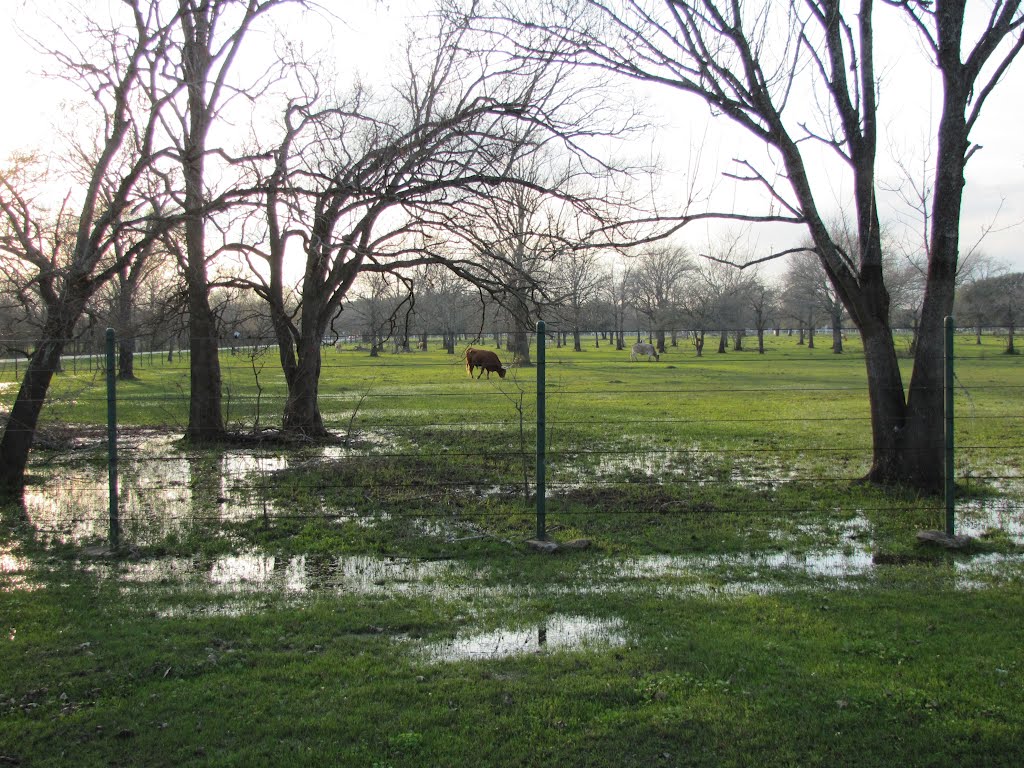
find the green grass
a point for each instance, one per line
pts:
(692, 472)
(903, 671)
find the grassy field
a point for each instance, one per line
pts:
(742, 601)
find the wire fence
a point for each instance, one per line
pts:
(736, 436)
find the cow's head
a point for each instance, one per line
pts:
(501, 372)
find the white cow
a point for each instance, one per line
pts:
(643, 349)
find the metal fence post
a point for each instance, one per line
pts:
(541, 429)
(950, 488)
(115, 525)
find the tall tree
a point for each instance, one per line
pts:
(616, 292)
(762, 302)
(208, 36)
(716, 51)
(443, 302)
(72, 251)
(516, 236)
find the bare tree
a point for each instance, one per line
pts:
(520, 240)
(365, 185)
(810, 291)
(71, 251)
(655, 286)
(700, 301)
(717, 51)
(207, 38)
(996, 301)
(616, 294)
(762, 300)
(443, 302)
(578, 281)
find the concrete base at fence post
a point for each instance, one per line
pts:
(943, 539)
(550, 547)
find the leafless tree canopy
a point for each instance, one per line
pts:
(800, 77)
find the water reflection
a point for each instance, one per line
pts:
(164, 490)
(980, 571)
(242, 582)
(14, 571)
(653, 461)
(557, 633)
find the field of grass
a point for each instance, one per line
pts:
(742, 600)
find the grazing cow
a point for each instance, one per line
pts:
(485, 360)
(643, 349)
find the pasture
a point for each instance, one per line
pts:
(743, 600)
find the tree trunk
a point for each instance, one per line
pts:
(888, 407)
(126, 358)
(519, 343)
(205, 420)
(577, 343)
(723, 342)
(302, 408)
(924, 465)
(21, 425)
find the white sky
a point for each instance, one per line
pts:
(370, 38)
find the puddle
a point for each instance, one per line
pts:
(978, 517)
(166, 491)
(247, 582)
(558, 633)
(657, 463)
(741, 574)
(162, 490)
(978, 572)
(256, 572)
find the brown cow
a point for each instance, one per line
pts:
(485, 360)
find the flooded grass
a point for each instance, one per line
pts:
(742, 601)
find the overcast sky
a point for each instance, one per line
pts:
(370, 38)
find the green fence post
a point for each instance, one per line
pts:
(115, 525)
(541, 429)
(950, 488)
